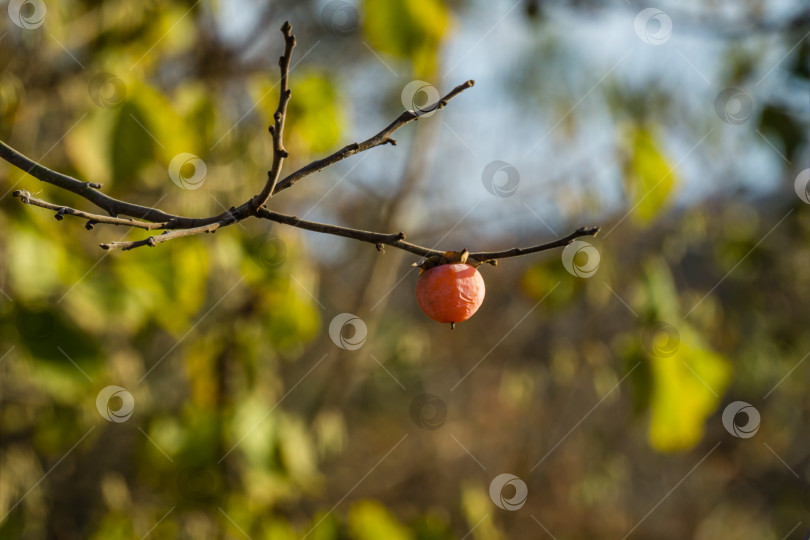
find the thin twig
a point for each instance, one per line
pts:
(514, 252)
(92, 219)
(277, 129)
(383, 137)
(397, 240)
(152, 241)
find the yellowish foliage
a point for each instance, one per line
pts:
(650, 179)
(408, 29)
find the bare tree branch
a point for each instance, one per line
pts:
(176, 226)
(116, 207)
(89, 190)
(396, 240)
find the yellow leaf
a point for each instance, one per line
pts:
(649, 176)
(685, 390)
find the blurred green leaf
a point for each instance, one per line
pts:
(325, 527)
(297, 451)
(171, 285)
(431, 527)
(87, 146)
(542, 277)
(370, 520)
(131, 143)
(315, 115)
(408, 29)
(34, 264)
(278, 529)
(113, 526)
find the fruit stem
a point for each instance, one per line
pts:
(452, 326)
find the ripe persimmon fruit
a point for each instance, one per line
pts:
(450, 293)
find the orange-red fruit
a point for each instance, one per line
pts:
(450, 293)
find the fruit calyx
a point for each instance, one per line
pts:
(451, 257)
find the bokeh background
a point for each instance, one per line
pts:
(682, 131)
